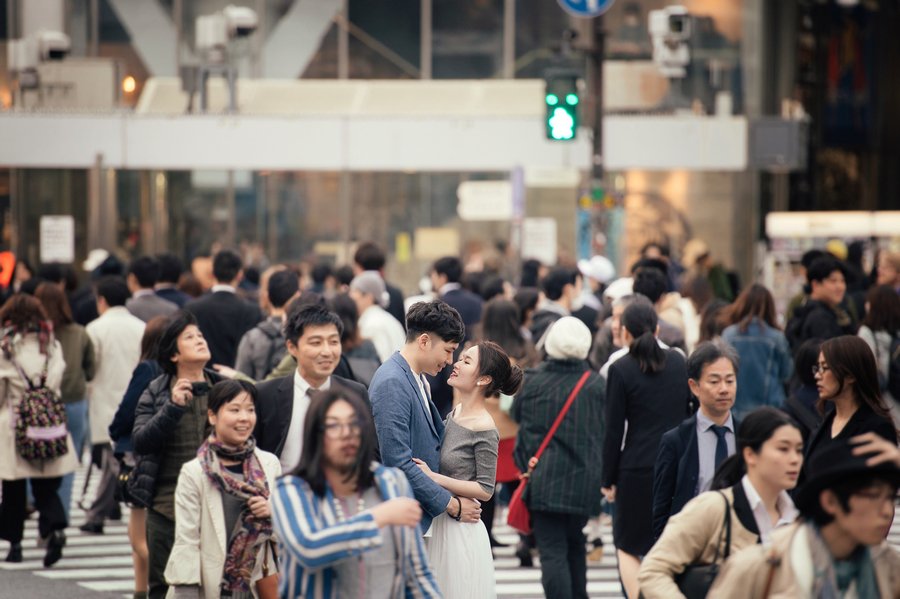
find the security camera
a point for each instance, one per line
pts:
(52, 45)
(241, 21)
(671, 29)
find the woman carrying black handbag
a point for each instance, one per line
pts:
(748, 502)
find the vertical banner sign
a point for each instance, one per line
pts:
(57, 239)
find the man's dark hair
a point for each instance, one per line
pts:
(652, 283)
(369, 256)
(650, 263)
(843, 490)
(435, 317)
(555, 281)
(822, 267)
(530, 270)
(170, 268)
(168, 342)
(52, 272)
(344, 275)
(312, 457)
(113, 289)
(320, 273)
(282, 287)
(146, 270)
(226, 266)
(310, 315)
(225, 391)
(663, 248)
(708, 352)
(450, 267)
(811, 256)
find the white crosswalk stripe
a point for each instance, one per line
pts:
(102, 563)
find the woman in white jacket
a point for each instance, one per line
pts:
(223, 519)
(29, 350)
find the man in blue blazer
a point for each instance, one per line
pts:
(406, 420)
(690, 453)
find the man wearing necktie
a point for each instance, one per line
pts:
(690, 454)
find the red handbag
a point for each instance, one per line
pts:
(518, 516)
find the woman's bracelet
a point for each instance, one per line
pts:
(458, 515)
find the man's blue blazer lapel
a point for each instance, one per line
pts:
(411, 379)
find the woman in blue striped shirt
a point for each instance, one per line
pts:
(348, 526)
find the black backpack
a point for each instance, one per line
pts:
(276, 345)
(893, 382)
(40, 431)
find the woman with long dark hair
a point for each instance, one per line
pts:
(766, 362)
(879, 329)
(849, 396)
(226, 487)
(804, 396)
(648, 388)
(347, 525)
(78, 352)
(29, 355)
(750, 488)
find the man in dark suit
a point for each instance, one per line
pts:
(222, 316)
(690, 453)
(170, 269)
(369, 256)
(446, 274)
(144, 302)
(313, 337)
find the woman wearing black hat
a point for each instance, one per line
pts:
(849, 396)
(839, 548)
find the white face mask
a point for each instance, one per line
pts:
(577, 303)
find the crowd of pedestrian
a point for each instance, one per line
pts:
(307, 432)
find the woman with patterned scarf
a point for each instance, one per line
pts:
(223, 519)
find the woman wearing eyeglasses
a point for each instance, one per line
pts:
(849, 397)
(223, 519)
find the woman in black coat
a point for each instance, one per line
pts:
(648, 388)
(847, 379)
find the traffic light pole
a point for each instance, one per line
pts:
(595, 66)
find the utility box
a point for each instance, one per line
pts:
(777, 144)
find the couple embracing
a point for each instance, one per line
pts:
(450, 466)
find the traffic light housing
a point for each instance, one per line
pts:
(561, 99)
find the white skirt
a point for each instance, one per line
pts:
(460, 556)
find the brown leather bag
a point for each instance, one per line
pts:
(267, 586)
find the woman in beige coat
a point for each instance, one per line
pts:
(223, 520)
(754, 484)
(27, 340)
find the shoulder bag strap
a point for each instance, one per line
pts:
(726, 531)
(29, 384)
(562, 414)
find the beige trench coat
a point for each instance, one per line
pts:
(12, 388)
(201, 541)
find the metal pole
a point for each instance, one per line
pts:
(343, 43)
(231, 231)
(509, 39)
(14, 210)
(425, 29)
(272, 215)
(260, 41)
(178, 18)
(597, 57)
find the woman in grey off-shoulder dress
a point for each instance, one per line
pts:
(460, 553)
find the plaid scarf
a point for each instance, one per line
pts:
(833, 578)
(250, 532)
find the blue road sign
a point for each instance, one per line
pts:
(586, 8)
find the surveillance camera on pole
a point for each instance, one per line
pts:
(214, 34)
(671, 29)
(24, 55)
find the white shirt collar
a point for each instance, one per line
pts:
(703, 423)
(302, 385)
(786, 509)
(448, 287)
(223, 287)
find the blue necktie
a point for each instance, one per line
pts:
(721, 445)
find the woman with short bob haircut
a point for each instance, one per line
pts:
(849, 396)
(750, 488)
(223, 519)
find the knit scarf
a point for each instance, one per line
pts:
(834, 577)
(250, 531)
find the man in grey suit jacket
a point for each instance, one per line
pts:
(406, 420)
(144, 303)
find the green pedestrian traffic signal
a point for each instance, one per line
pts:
(561, 102)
